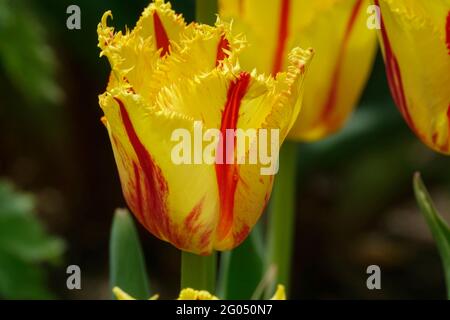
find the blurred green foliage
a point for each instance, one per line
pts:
(24, 247)
(25, 54)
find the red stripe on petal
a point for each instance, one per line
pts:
(162, 40)
(395, 78)
(283, 33)
(447, 30)
(330, 103)
(241, 8)
(154, 193)
(191, 224)
(228, 174)
(240, 236)
(435, 137)
(130, 88)
(205, 240)
(224, 44)
(139, 198)
(446, 146)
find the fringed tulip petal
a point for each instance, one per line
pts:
(167, 198)
(160, 102)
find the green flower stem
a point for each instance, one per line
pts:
(205, 11)
(282, 218)
(198, 272)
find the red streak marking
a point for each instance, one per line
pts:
(283, 34)
(435, 137)
(447, 30)
(190, 222)
(205, 239)
(330, 103)
(120, 151)
(155, 189)
(223, 44)
(139, 199)
(162, 40)
(227, 174)
(241, 235)
(447, 146)
(241, 7)
(302, 68)
(266, 198)
(395, 78)
(130, 89)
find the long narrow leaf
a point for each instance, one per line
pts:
(437, 225)
(127, 265)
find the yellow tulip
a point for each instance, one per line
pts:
(344, 52)
(415, 37)
(168, 75)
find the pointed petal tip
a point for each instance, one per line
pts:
(280, 293)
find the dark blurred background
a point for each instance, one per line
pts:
(355, 200)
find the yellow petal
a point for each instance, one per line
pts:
(158, 25)
(132, 58)
(202, 49)
(255, 102)
(280, 294)
(257, 21)
(160, 22)
(121, 295)
(135, 56)
(135, 60)
(168, 199)
(191, 294)
(415, 39)
(269, 106)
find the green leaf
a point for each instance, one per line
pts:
(241, 269)
(127, 265)
(25, 237)
(437, 225)
(25, 55)
(24, 246)
(13, 203)
(21, 280)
